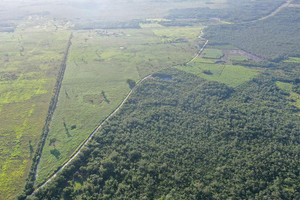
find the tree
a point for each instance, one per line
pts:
(131, 83)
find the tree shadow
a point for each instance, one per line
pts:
(31, 149)
(104, 96)
(67, 130)
(55, 153)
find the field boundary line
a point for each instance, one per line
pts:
(29, 184)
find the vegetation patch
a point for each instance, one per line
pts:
(212, 53)
(178, 34)
(150, 25)
(203, 60)
(293, 60)
(293, 97)
(231, 75)
(98, 77)
(238, 58)
(30, 61)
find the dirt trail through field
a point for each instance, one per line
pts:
(92, 134)
(199, 52)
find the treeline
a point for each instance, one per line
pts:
(186, 138)
(274, 38)
(107, 25)
(29, 184)
(237, 11)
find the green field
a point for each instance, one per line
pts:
(99, 64)
(30, 59)
(294, 98)
(207, 61)
(238, 58)
(231, 75)
(293, 60)
(176, 34)
(150, 25)
(213, 53)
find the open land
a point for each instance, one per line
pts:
(30, 59)
(231, 75)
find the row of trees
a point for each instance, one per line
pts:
(29, 184)
(186, 138)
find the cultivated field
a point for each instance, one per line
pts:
(30, 59)
(99, 64)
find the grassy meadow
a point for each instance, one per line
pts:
(231, 75)
(30, 59)
(212, 53)
(293, 97)
(238, 58)
(99, 64)
(293, 60)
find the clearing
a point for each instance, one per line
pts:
(231, 75)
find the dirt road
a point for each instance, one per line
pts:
(92, 134)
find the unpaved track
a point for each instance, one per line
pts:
(199, 52)
(92, 134)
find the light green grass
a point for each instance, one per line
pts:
(212, 53)
(284, 86)
(293, 60)
(30, 60)
(203, 60)
(294, 98)
(103, 62)
(231, 75)
(173, 34)
(238, 58)
(150, 25)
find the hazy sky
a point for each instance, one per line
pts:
(101, 10)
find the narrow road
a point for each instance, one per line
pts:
(199, 52)
(92, 134)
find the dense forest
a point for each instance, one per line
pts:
(182, 137)
(237, 11)
(273, 38)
